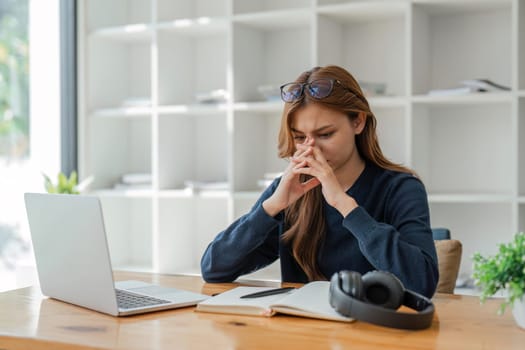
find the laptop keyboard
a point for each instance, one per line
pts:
(127, 300)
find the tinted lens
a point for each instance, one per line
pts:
(291, 92)
(320, 88)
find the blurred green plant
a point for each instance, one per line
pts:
(14, 79)
(504, 271)
(64, 184)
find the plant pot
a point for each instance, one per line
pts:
(518, 311)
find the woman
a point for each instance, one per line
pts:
(339, 205)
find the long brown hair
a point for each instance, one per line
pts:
(305, 218)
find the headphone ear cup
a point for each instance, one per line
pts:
(352, 284)
(383, 288)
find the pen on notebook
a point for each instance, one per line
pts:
(267, 292)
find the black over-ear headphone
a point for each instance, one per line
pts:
(375, 297)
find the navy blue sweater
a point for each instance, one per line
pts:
(390, 230)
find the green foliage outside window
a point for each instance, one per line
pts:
(14, 79)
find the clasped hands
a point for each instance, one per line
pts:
(308, 160)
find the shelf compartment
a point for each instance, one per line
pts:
(479, 226)
(123, 112)
(192, 148)
(392, 133)
(191, 66)
(521, 146)
(466, 99)
(129, 33)
(360, 11)
(268, 57)
(255, 149)
(468, 198)
(118, 73)
(122, 193)
(447, 47)
(455, 7)
(202, 26)
(128, 223)
(169, 10)
(380, 57)
(117, 147)
(104, 14)
(275, 20)
(453, 157)
(521, 46)
(257, 6)
(194, 109)
(270, 106)
(521, 217)
(186, 227)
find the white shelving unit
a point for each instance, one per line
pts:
(142, 63)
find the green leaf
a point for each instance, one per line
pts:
(505, 271)
(64, 184)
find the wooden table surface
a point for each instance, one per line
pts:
(28, 320)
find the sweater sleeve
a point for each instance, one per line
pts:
(248, 244)
(404, 245)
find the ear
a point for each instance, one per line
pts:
(359, 123)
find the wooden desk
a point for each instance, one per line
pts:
(30, 321)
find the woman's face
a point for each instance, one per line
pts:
(329, 130)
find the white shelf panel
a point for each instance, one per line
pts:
(364, 11)
(273, 106)
(474, 98)
(247, 195)
(275, 20)
(196, 26)
(469, 198)
(126, 112)
(131, 193)
(387, 102)
(133, 33)
(454, 6)
(189, 193)
(262, 6)
(203, 109)
(134, 268)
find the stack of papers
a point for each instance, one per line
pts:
(135, 181)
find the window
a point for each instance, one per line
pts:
(29, 124)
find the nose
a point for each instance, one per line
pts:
(309, 141)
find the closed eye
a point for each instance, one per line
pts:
(326, 135)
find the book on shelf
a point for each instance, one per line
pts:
(462, 90)
(470, 86)
(207, 185)
(134, 181)
(310, 300)
(484, 85)
(136, 178)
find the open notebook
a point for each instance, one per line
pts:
(311, 300)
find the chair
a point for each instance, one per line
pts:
(449, 258)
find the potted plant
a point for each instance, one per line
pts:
(504, 272)
(66, 184)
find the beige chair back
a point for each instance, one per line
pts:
(449, 258)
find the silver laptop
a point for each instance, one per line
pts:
(73, 261)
